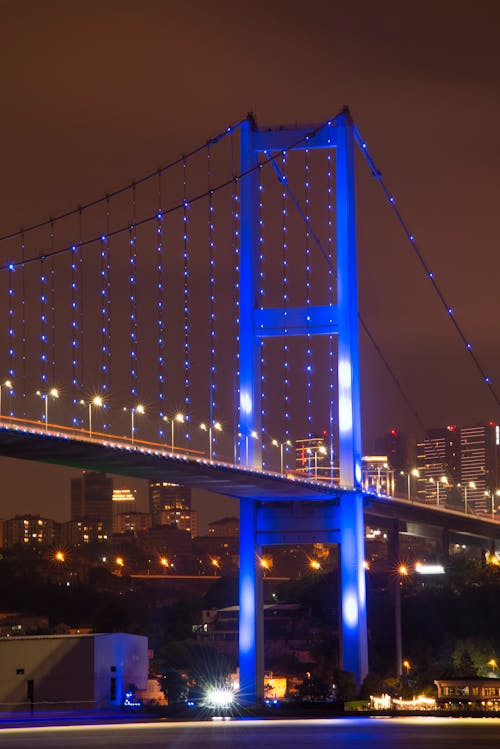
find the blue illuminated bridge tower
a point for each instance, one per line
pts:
(338, 520)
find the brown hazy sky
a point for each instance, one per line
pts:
(95, 94)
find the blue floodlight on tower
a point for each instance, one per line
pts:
(341, 320)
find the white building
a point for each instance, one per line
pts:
(71, 672)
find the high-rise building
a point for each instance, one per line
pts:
(455, 463)
(479, 449)
(123, 502)
(393, 446)
(30, 530)
(170, 504)
(440, 464)
(132, 522)
(84, 531)
(92, 499)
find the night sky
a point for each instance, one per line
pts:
(97, 94)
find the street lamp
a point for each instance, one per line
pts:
(255, 437)
(402, 572)
(96, 401)
(217, 426)
(179, 418)
(492, 495)
(281, 445)
(54, 392)
(470, 485)
(416, 474)
(322, 450)
(7, 384)
(135, 409)
(443, 480)
(164, 564)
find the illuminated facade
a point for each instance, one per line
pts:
(29, 530)
(440, 464)
(479, 465)
(462, 465)
(170, 504)
(132, 522)
(123, 502)
(92, 499)
(71, 672)
(84, 531)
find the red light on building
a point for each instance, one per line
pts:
(394, 432)
(451, 428)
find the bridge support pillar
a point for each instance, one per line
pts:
(251, 618)
(445, 545)
(354, 650)
(397, 581)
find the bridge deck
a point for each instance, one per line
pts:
(119, 456)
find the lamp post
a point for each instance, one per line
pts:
(179, 418)
(96, 401)
(7, 384)
(217, 426)
(164, 564)
(416, 474)
(402, 572)
(469, 485)
(252, 434)
(492, 495)
(443, 480)
(315, 451)
(135, 409)
(281, 445)
(54, 392)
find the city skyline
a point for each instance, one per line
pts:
(445, 192)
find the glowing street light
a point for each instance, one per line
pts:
(7, 384)
(59, 556)
(54, 392)
(265, 564)
(281, 445)
(135, 409)
(96, 401)
(492, 495)
(322, 451)
(494, 666)
(443, 480)
(314, 564)
(217, 426)
(402, 572)
(164, 564)
(469, 485)
(416, 474)
(179, 418)
(252, 434)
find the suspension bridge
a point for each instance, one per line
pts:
(192, 325)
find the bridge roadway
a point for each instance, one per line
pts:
(62, 446)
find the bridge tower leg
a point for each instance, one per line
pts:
(251, 620)
(342, 320)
